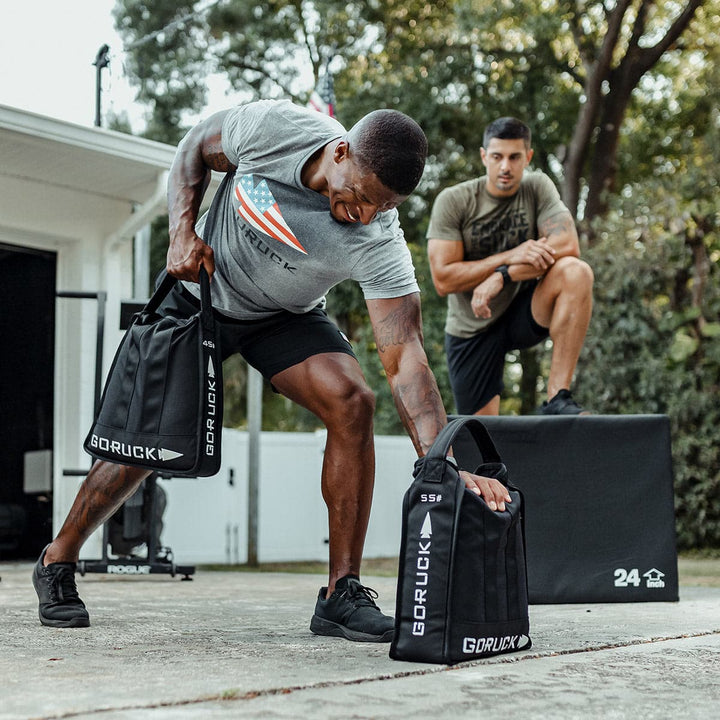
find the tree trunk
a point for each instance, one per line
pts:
(603, 164)
(575, 159)
(602, 114)
(597, 69)
(530, 363)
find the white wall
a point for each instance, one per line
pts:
(85, 265)
(206, 518)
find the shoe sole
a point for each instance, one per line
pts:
(583, 413)
(321, 626)
(71, 623)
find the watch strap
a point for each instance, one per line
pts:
(504, 271)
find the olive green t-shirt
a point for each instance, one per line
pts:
(487, 225)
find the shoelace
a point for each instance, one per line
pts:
(360, 595)
(62, 584)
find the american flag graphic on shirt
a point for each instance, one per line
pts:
(259, 208)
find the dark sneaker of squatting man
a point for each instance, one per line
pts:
(562, 404)
(350, 612)
(60, 605)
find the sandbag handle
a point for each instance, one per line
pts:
(168, 283)
(434, 464)
(206, 300)
(444, 440)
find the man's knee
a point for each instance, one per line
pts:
(351, 404)
(574, 272)
(359, 401)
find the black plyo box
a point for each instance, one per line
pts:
(599, 519)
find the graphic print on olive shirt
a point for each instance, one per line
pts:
(493, 235)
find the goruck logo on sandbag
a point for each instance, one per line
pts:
(421, 576)
(132, 452)
(211, 400)
(505, 643)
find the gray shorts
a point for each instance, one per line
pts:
(476, 364)
(270, 345)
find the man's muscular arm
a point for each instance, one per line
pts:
(558, 233)
(398, 336)
(528, 260)
(452, 273)
(397, 325)
(198, 154)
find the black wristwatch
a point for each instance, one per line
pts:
(503, 270)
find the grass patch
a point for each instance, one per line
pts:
(698, 568)
(699, 571)
(701, 554)
(383, 567)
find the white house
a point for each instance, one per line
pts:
(72, 199)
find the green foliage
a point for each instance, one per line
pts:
(654, 341)
(454, 65)
(674, 105)
(169, 63)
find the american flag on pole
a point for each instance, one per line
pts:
(323, 96)
(259, 208)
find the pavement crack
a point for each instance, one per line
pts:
(232, 695)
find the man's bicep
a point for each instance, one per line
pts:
(446, 249)
(211, 145)
(560, 231)
(443, 252)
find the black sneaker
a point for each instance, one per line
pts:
(350, 612)
(562, 404)
(60, 605)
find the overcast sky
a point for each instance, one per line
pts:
(46, 55)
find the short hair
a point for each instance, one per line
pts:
(392, 146)
(507, 128)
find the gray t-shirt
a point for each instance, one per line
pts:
(276, 245)
(487, 225)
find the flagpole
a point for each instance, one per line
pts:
(322, 98)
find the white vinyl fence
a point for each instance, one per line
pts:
(206, 520)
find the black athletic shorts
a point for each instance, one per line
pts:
(270, 345)
(476, 364)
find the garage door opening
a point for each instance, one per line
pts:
(27, 363)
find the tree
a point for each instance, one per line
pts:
(167, 59)
(272, 49)
(616, 45)
(571, 68)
